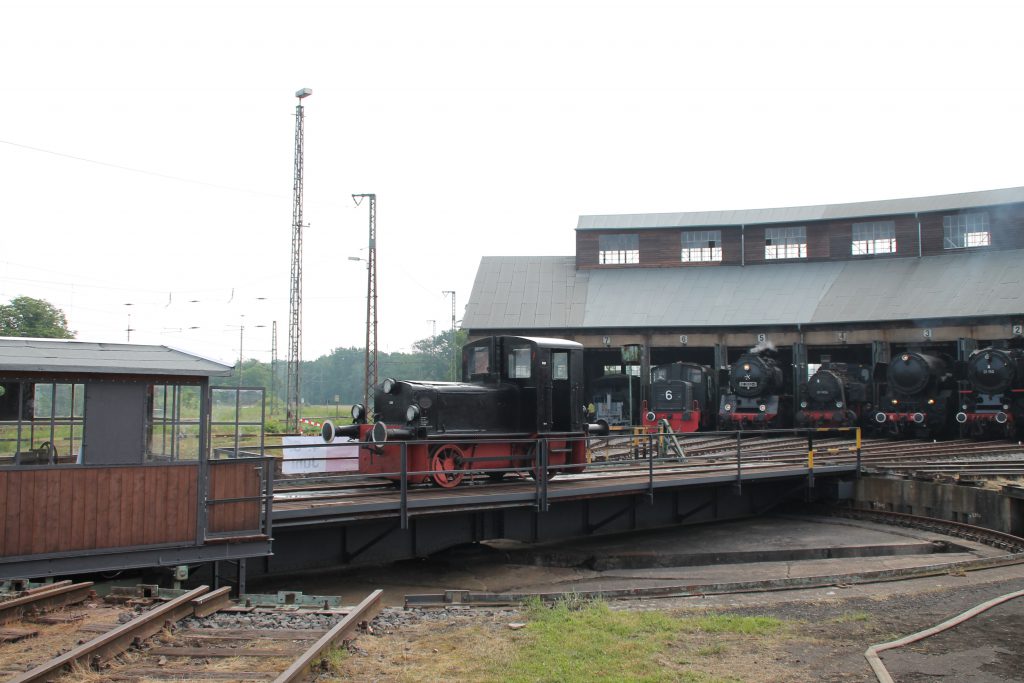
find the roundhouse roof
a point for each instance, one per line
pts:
(548, 292)
(801, 214)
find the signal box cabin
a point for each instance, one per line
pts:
(105, 462)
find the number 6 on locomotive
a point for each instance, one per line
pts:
(515, 392)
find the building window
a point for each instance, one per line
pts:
(877, 237)
(618, 249)
(966, 230)
(780, 243)
(701, 246)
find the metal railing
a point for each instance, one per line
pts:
(650, 455)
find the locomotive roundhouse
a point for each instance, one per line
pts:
(852, 283)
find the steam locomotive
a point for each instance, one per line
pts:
(993, 405)
(755, 394)
(919, 396)
(836, 395)
(516, 393)
(681, 394)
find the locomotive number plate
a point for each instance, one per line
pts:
(748, 385)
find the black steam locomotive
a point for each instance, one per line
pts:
(515, 391)
(836, 395)
(919, 397)
(993, 406)
(755, 394)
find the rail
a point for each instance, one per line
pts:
(45, 598)
(364, 611)
(1012, 545)
(108, 645)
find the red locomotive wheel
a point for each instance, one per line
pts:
(535, 472)
(448, 457)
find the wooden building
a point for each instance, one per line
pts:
(106, 462)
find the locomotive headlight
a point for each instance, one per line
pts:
(762, 407)
(728, 407)
(839, 404)
(963, 407)
(803, 404)
(358, 412)
(746, 367)
(412, 413)
(389, 386)
(651, 417)
(895, 402)
(931, 401)
(1006, 406)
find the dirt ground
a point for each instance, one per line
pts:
(825, 638)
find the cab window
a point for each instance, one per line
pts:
(478, 361)
(519, 363)
(560, 365)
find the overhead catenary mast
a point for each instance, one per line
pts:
(454, 363)
(295, 302)
(370, 369)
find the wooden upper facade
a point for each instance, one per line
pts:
(692, 243)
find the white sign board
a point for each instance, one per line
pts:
(340, 456)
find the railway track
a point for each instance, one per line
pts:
(1012, 548)
(150, 646)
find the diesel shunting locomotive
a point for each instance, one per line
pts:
(517, 393)
(682, 395)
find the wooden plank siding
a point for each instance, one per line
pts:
(231, 480)
(659, 248)
(826, 240)
(65, 509)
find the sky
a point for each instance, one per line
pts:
(147, 148)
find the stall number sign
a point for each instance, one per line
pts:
(1018, 329)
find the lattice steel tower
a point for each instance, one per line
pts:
(295, 302)
(370, 376)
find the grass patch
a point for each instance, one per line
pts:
(335, 659)
(731, 623)
(573, 641)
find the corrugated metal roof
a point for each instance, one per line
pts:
(801, 214)
(889, 289)
(68, 356)
(528, 291)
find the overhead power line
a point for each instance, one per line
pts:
(142, 171)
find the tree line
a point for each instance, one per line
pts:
(334, 378)
(340, 373)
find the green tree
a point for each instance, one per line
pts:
(28, 317)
